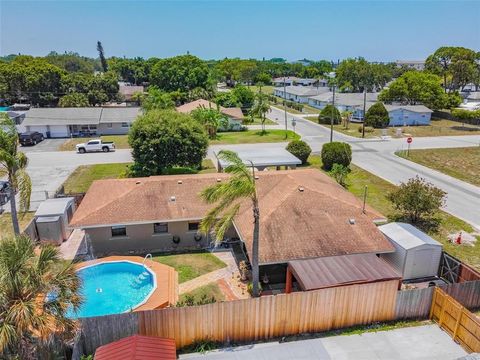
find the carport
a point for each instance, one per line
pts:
(333, 271)
(261, 158)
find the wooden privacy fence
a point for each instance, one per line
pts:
(273, 316)
(455, 319)
(413, 304)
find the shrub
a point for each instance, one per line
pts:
(377, 116)
(300, 149)
(417, 199)
(368, 129)
(336, 153)
(325, 115)
(340, 173)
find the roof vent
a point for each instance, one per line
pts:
(138, 182)
(179, 182)
(301, 189)
(219, 180)
(256, 177)
(173, 198)
(351, 221)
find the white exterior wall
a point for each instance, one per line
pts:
(59, 131)
(40, 128)
(112, 129)
(396, 259)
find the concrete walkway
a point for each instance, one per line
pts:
(414, 343)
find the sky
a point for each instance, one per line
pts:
(377, 30)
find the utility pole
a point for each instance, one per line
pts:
(285, 102)
(364, 110)
(333, 114)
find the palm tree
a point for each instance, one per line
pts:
(37, 289)
(260, 108)
(13, 166)
(227, 197)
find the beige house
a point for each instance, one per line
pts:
(234, 114)
(304, 214)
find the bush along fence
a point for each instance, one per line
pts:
(275, 316)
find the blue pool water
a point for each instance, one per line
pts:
(4, 108)
(113, 287)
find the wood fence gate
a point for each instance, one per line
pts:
(456, 320)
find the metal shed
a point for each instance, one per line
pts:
(63, 208)
(416, 254)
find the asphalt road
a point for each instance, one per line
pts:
(377, 156)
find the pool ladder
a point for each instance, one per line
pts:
(145, 274)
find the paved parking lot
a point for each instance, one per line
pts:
(414, 343)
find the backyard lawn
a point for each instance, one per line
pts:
(121, 142)
(377, 199)
(6, 229)
(209, 290)
(461, 163)
(437, 128)
(83, 176)
(254, 136)
(190, 266)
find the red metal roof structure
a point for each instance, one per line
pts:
(138, 347)
(331, 271)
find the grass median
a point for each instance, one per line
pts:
(254, 136)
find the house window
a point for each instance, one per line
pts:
(125, 124)
(160, 228)
(193, 226)
(120, 230)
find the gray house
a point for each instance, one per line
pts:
(298, 93)
(67, 122)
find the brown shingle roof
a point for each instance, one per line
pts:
(187, 108)
(294, 224)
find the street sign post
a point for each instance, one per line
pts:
(409, 141)
(294, 123)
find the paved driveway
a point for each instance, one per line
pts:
(415, 343)
(45, 145)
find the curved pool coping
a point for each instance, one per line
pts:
(136, 264)
(165, 291)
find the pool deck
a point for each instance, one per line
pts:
(166, 292)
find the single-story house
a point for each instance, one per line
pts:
(127, 91)
(67, 122)
(234, 114)
(411, 64)
(473, 96)
(304, 214)
(284, 81)
(403, 115)
(297, 93)
(293, 80)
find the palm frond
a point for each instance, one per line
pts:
(225, 222)
(24, 184)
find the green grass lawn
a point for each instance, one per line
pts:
(121, 142)
(268, 89)
(378, 189)
(438, 127)
(461, 163)
(254, 136)
(83, 176)
(257, 121)
(6, 228)
(190, 266)
(209, 290)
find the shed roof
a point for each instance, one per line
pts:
(138, 347)
(52, 207)
(406, 235)
(331, 271)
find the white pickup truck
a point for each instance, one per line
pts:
(96, 145)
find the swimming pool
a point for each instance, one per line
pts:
(114, 287)
(4, 108)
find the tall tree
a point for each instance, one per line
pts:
(211, 119)
(228, 197)
(260, 108)
(13, 165)
(37, 289)
(101, 55)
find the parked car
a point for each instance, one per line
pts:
(4, 192)
(31, 138)
(96, 145)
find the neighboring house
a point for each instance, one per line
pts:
(299, 94)
(127, 91)
(411, 64)
(67, 122)
(293, 80)
(403, 115)
(304, 214)
(17, 117)
(473, 96)
(352, 102)
(234, 115)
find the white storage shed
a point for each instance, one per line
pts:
(416, 254)
(53, 217)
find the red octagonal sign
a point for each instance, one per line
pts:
(409, 140)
